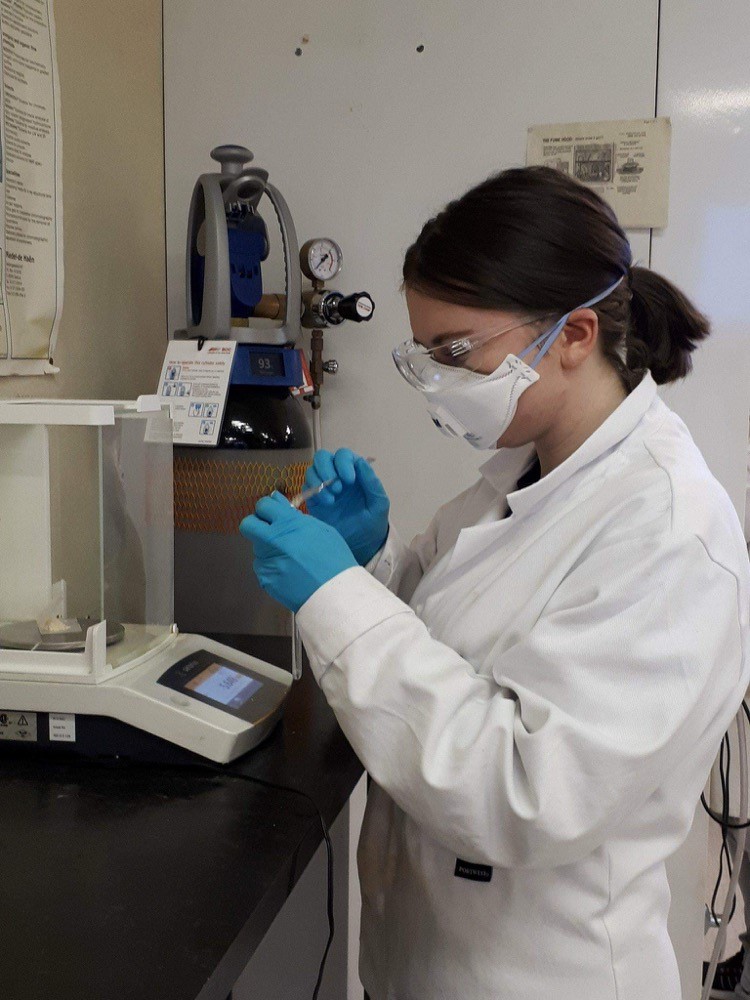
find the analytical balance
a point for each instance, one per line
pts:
(90, 659)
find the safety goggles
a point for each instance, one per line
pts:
(434, 369)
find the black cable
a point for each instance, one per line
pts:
(715, 893)
(717, 819)
(734, 901)
(725, 763)
(326, 837)
(725, 814)
(715, 816)
(724, 786)
(725, 827)
(721, 821)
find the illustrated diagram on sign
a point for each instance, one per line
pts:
(207, 427)
(184, 388)
(630, 166)
(211, 410)
(593, 163)
(195, 410)
(173, 372)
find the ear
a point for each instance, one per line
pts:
(579, 338)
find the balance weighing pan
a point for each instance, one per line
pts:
(26, 635)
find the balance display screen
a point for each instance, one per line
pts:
(266, 364)
(224, 685)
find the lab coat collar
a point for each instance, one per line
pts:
(615, 429)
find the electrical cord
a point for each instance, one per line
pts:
(734, 864)
(228, 772)
(715, 816)
(722, 821)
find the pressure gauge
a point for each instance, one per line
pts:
(321, 259)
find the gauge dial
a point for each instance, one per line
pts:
(321, 259)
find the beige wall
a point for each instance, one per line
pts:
(113, 332)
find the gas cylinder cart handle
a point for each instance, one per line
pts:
(246, 189)
(232, 158)
(215, 320)
(291, 264)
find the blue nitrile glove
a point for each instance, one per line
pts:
(294, 554)
(356, 505)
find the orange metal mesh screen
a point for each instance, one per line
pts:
(214, 495)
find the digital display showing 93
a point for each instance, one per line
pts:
(267, 364)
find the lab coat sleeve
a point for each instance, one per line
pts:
(637, 657)
(399, 566)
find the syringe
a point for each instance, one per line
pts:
(312, 491)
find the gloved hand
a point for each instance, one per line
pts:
(294, 554)
(356, 505)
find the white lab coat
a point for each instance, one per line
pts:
(541, 695)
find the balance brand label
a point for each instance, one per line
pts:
(18, 726)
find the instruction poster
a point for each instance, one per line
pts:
(31, 262)
(195, 381)
(626, 162)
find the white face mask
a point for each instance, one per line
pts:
(481, 408)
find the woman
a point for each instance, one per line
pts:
(538, 684)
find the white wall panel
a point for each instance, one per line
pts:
(704, 86)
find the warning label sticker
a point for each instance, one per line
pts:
(18, 726)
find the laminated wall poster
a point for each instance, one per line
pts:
(31, 262)
(626, 162)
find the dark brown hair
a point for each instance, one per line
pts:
(535, 241)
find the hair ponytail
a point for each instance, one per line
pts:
(665, 327)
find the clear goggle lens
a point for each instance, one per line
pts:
(421, 370)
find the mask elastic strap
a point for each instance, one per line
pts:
(548, 338)
(540, 339)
